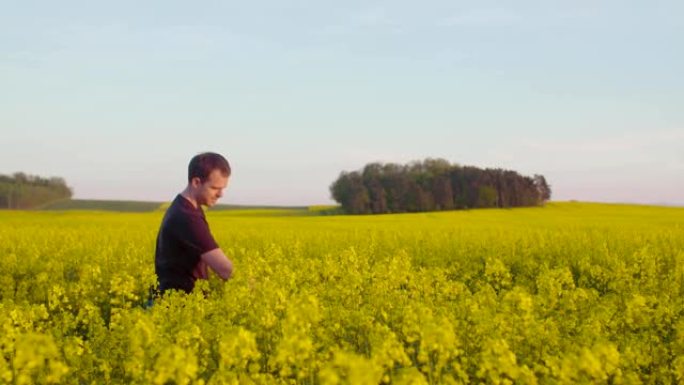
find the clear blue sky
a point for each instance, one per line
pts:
(116, 97)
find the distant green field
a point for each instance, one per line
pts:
(102, 205)
(143, 206)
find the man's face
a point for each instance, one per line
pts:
(211, 190)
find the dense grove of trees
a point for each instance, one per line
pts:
(434, 184)
(21, 191)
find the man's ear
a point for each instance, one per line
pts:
(195, 182)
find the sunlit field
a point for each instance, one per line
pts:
(568, 293)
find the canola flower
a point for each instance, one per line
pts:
(566, 294)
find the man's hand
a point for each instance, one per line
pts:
(201, 271)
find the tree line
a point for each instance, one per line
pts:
(434, 184)
(22, 191)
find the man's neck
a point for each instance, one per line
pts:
(188, 196)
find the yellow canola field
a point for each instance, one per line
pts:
(565, 294)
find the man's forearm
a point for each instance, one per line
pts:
(219, 263)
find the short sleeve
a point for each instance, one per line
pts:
(195, 235)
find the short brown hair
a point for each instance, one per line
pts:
(201, 165)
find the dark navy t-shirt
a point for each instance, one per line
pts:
(183, 237)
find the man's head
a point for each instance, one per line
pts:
(208, 175)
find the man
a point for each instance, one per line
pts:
(185, 247)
